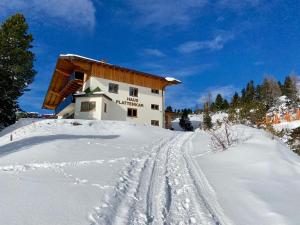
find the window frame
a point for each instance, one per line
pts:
(154, 91)
(88, 108)
(155, 123)
(135, 92)
(114, 89)
(105, 108)
(154, 107)
(132, 114)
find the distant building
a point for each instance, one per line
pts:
(84, 88)
(169, 117)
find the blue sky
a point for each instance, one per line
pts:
(212, 46)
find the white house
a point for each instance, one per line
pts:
(85, 88)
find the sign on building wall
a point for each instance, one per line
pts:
(130, 101)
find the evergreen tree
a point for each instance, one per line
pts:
(270, 91)
(235, 100)
(185, 122)
(219, 102)
(207, 124)
(290, 88)
(16, 65)
(281, 86)
(190, 111)
(225, 105)
(258, 93)
(243, 96)
(169, 109)
(212, 107)
(249, 92)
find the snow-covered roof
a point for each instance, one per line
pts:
(172, 79)
(82, 57)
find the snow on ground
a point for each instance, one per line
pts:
(287, 125)
(197, 119)
(106, 172)
(55, 173)
(256, 182)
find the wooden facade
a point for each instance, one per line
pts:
(61, 86)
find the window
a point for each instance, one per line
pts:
(154, 107)
(113, 88)
(131, 112)
(133, 92)
(155, 91)
(87, 106)
(154, 122)
(105, 107)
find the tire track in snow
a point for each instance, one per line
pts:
(129, 203)
(161, 188)
(202, 188)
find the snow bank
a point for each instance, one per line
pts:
(256, 182)
(57, 171)
(84, 172)
(287, 125)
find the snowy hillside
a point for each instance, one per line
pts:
(106, 172)
(287, 125)
(197, 119)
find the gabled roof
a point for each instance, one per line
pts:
(61, 86)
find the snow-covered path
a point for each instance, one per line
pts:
(163, 187)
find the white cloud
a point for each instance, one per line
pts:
(215, 44)
(225, 91)
(167, 12)
(154, 52)
(75, 13)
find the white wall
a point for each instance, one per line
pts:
(113, 111)
(91, 115)
(145, 97)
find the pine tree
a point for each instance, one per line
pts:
(281, 86)
(249, 92)
(219, 102)
(207, 123)
(16, 65)
(225, 105)
(235, 100)
(243, 96)
(290, 88)
(270, 91)
(185, 122)
(212, 107)
(258, 93)
(169, 109)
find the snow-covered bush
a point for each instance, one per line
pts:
(224, 136)
(294, 140)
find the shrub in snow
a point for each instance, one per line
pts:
(207, 121)
(294, 140)
(185, 122)
(224, 136)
